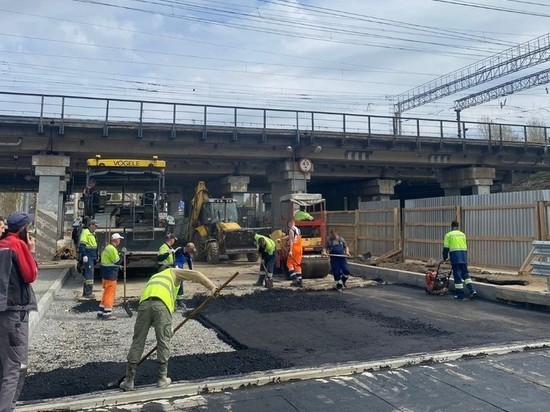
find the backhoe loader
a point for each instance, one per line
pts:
(214, 229)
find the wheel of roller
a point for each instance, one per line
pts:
(315, 267)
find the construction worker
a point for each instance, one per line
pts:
(184, 255)
(111, 260)
(87, 250)
(156, 306)
(294, 260)
(166, 259)
(181, 257)
(455, 247)
(337, 248)
(165, 256)
(18, 269)
(300, 215)
(266, 249)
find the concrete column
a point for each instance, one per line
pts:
(230, 186)
(49, 203)
(289, 171)
(452, 191)
(287, 179)
(378, 189)
(479, 179)
(481, 190)
(278, 189)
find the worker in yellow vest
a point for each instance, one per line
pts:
(156, 307)
(455, 248)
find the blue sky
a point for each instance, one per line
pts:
(347, 56)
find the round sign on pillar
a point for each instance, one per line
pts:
(305, 165)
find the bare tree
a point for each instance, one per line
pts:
(535, 131)
(494, 131)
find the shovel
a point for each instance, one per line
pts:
(192, 315)
(268, 281)
(124, 302)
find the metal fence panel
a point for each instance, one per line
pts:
(500, 227)
(425, 222)
(379, 227)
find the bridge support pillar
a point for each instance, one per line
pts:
(230, 186)
(478, 179)
(289, 179)
(378, 189)
(49, 204)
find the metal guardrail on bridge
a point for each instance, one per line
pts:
(107, 112)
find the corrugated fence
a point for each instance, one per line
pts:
(500, 227)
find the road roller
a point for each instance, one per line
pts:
(310, 208)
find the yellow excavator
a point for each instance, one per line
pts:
(214, 229)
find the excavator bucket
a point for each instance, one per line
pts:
(239, 241)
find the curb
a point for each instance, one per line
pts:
(45, 302)
(146, 393)
(498, 293)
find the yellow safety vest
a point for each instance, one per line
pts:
(88, 238)
(161, 285)
(169, 261)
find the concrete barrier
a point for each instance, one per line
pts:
(501, 293)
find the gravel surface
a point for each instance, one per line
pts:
(73, 352)
(70, 337)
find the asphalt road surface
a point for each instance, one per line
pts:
(286, 328)
(362, 324)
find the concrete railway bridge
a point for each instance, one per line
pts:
(46, 139)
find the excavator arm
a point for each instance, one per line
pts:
(201, 195)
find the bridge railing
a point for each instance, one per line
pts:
(109, 112)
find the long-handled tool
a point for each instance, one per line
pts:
(268, 280)
(124, 301)
(191, 315)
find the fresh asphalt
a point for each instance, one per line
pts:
(375, 325)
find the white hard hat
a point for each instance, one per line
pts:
(116, 236)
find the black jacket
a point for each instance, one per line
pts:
(15, 294)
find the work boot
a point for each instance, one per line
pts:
(260, 281)
(344, 280)
(460, 296)
(87, 290)
(339, 287)
(471, 289)
(108, 316)
(297, 282)
(128, 383)
(163, 381)
(269, 282)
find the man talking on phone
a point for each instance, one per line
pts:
(18, 270)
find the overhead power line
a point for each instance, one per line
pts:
(523, 83)
(496, 8)
(522, 56)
